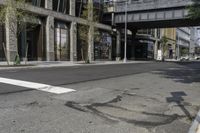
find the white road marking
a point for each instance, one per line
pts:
(37, 86)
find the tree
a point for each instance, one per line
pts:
(164, 45)
(194, 10)
(84, 29)
(13, 14)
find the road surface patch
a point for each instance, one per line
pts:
(37, 86)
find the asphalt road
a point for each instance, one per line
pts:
(70, 75)
(124, 98)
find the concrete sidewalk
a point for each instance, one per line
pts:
(49, 64)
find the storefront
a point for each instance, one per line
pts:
(31, 42)
(103, 48)
(144, 50)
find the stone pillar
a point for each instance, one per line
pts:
(49, 4)
(11, 40)
(91, 43)
(72, 10)
(118, 46)
(134, 32)
(111, 47)
(73, 42)
(192, 42)
(91, 32)
(73, 32)
(50, 38)
(156, 44)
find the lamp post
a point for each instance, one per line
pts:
(178, 49)
(125, 34)
(125, 27)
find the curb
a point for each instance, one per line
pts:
(195, 128)
(70, 65)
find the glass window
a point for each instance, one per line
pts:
(2, 43)
(39, 3)
(62, 48)
(61, 6)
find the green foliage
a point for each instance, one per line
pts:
(90, 14)
(184, 51)
(13, 11)
(17, 60)
(83, 28)
(194, 9)
(164, 42)
(13, 14)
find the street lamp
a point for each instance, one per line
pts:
(125, 34)
(125, 27)
(178, 49)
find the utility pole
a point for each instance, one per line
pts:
(178, 49)
(125, 34)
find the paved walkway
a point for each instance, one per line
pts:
(49, 64)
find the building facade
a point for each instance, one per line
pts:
(170, 48)
(55, 33)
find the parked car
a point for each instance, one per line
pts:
(184, 58)
(197, 57)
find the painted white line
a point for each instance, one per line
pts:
(195, 128)
(37, 86)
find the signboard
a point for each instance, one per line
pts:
(159, 57)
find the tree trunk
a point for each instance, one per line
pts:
(26, 56)
(5, 53)
(17, 58)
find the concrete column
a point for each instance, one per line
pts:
(73, 42)
(91, 32)
(73, 32)
(11, 39)
(91, 43)
(50, 39)
(72, 10)
(133, 44)
(192, 42)
(49, 4)
(156, 44)
(111, 47)
(118, 46)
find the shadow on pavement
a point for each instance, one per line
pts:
(186, 73)
(177, 97)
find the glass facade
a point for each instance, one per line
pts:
(39, 3)
(103, 49)
(62, 47)
(81, 5)
(61, 6)
(144, 49)
(2, 43)
(31, 43)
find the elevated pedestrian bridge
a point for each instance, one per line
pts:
(150, 13)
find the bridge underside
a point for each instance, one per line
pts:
(161, 24)
(153, 14)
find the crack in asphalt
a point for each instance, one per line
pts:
(18, 91)
(92, 108)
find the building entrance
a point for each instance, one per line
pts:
(103, 48)
(2, 43)
(31, 45)
(62, 47)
